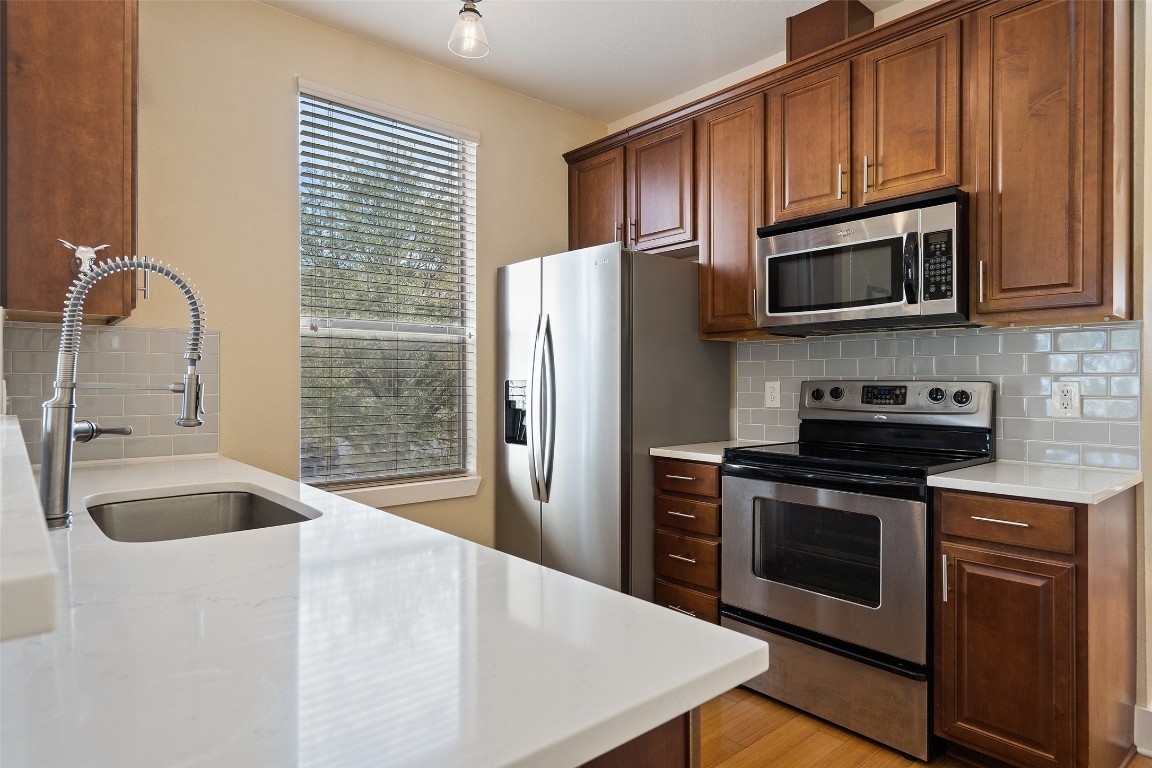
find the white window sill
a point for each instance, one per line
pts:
(384, 496)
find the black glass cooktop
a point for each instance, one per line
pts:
(859, 459)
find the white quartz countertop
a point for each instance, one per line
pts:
(1079, 485)
(27, 570)
(1083, 485)
(712, 453)
(353, 639)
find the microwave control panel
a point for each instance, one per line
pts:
(938, 281)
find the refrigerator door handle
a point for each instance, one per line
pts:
(535, 386)
(548, 452)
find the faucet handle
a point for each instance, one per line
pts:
(85, 258)
(84, 431)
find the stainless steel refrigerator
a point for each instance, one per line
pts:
(599, 360)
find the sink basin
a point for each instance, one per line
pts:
(184, 517)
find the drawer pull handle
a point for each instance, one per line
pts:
(1001, 522)
(681, 610)
(681, 514)
(681, 557)
(680, 477)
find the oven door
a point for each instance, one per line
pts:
(849, 566)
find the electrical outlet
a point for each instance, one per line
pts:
(772, 394)
(1066, 399)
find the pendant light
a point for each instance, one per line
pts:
(468, 38)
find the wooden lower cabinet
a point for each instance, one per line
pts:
(1035, 629)
(1007, 655)
(675, 744)
(687, 542)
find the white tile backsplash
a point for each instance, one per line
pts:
(1022, 362)
(153, 356)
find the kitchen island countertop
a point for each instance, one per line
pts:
(356, 638)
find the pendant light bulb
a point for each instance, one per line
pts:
(468, 38)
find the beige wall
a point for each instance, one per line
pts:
(218, 198)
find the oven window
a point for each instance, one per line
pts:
(837, 278)
(820, 550)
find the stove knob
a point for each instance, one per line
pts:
(962, 397)
(817, 394)
(936, 395)
(836, 392)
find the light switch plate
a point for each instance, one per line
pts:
(1066, 399)
(772, 393)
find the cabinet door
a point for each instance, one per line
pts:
(907, 115)
(1046, 193)
(596, 199)
(69, 149)
(809, 138)
(1006, 661)
(730, 198)
(661, 184)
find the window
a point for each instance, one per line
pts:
(387, 296)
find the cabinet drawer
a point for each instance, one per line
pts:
(687, 477)
(1050, 527)
(697, 516)
(688, 559)
(688, 601)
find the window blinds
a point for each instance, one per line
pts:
(387, 297)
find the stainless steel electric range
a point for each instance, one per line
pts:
(826, 545)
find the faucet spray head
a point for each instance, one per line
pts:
(192, 405)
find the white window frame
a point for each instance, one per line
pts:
(409, 491)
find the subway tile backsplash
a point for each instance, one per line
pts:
(152, 356)
(1022, 362)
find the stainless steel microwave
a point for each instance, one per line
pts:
(898, 264)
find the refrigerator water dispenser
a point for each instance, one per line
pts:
(516, 411)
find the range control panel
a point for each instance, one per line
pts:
(919, 402)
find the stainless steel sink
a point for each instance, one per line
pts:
(183, 517)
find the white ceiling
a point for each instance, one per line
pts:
(604, 59)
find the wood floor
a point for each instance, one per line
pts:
(742, 729)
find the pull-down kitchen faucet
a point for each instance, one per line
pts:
(60, 426)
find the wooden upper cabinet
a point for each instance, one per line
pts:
(907, 115)
(661, 186)
(596, 199)
(69, 150)
(885, 124)
(1051, 153)
(809, 139)
(1007, 656)
(641, 193)
(730, 200)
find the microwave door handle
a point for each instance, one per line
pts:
(911, 269)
